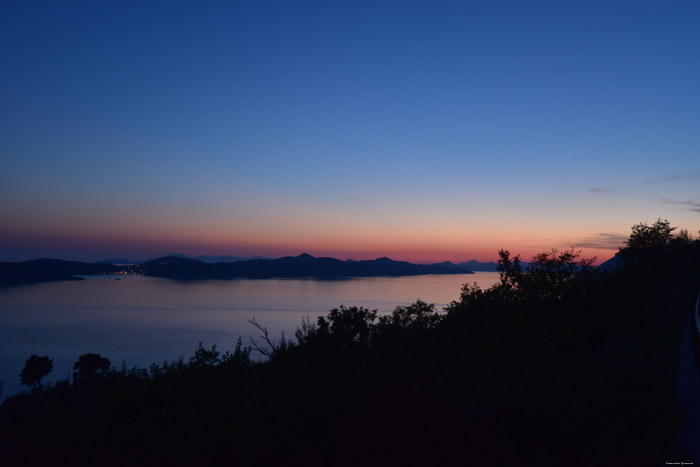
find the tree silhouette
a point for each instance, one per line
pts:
(35, 368)
(417, 315)
(90, 367)
(657, 235)
(347, 327)
(204, 357)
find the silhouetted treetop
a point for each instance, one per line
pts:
(551, 275)
(90, 366)
(35, 368)
(417, 315)
(657, 235)
(204, 357)
(348, 326)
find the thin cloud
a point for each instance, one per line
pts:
(602, 241)
(692, 205)
(690, 176)
(601, 189)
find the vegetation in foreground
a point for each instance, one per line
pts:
(558, 364)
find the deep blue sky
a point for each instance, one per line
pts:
(422, 130)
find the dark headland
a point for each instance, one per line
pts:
(178, 267)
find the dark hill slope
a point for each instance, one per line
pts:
(21, 273)
(303, 265)
(47, 270)
(71, 267)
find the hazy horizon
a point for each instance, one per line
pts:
(154, 256)
(93, 258)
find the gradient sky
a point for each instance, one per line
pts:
(424, 131)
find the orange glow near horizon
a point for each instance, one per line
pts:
(417, 233)
(422, 228)
(420, 247)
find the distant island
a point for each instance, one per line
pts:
(180, 267)
(24, 273)
(203, 258)
(471, 265)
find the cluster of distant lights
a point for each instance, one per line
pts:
(128, 272)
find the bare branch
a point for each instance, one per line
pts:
(265, 351)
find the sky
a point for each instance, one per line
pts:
(423, 131)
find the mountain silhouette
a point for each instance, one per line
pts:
(203, 258)
(182, 267)
(21, 273)
(47, 270)
(304, 265)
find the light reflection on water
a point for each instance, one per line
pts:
(144, 320)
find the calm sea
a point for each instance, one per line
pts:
(141, 320)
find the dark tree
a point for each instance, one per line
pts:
(204, 357)
(418, 315)
(348, 327)
(35, 368)
(90, 366)
(657, 235)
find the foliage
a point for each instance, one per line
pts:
(90, 367)
(35, 368)
(549, 278)
(204, 357)
(497, 371)
(306, 331)
(272, 347)
(655, 248)
(554, 276)
(347, 327)
(239, 359)
(657, 235)
(418, 315)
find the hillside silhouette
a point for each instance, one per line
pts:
(178, 267)
(21, 273)
(303, 265)
(557, 364)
